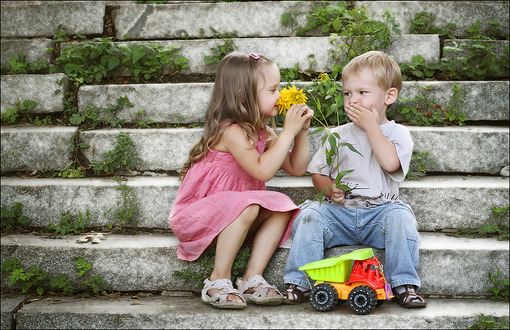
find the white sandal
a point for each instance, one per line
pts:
(260, 296)
(219, 300)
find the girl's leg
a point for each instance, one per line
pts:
(228, 243)
(268, 231)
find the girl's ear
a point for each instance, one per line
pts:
(391, 96)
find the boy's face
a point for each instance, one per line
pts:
(362, 89)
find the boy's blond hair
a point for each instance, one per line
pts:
(384, 68)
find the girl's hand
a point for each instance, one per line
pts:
(298, 118)
(337, 195)
(361, 116)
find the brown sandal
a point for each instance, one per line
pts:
(409, 298)
(294, 296)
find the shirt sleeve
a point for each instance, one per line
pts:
(401, 139)
(318, 164)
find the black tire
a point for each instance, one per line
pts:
(323, 297)
(362, 299)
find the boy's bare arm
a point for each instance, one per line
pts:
(322, 182)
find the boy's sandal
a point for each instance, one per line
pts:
(409, 298)
(261, 289)
(220, 300)
(295, 296)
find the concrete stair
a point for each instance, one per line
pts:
(467, 177)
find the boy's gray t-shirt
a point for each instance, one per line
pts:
(374, 185)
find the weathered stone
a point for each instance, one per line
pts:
(177, 20)
(468, 149)
(48, 90)
(126, 312)
(142, 262)
(161, 103)
(36, 148)
(159, 149)
(33, 49)
(41, 18)
(438, 202)
(187, 103)
(461, 13)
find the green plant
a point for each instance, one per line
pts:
(327, 99)
(13, 218)
(423, 23)
(126, 211)
(500, 289)
(34, 278)
(423, 110)
(220, 51)
(94, 116)
(291, 74)
(360, 34)
(418, 165)
(71, 224)
(11, 114)
(93, 61)
(18, 65)
(206, 265)
(122, 156)
(490, 322)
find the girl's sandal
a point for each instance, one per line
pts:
(260, 288)
(409, 298)
(294, 296)
(220, 300)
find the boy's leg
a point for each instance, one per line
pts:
(318, 226)
(393, 227)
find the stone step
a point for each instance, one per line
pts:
(28, 148)
(167, 312)
(462, 14)
(439, 202)
(249, 19)
(262, 18)
(47, 90)
(187, 103)
(312, 53)
(27, 19)
(145, 262)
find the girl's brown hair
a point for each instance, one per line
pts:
(233, 100)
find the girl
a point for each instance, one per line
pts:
(222, 200)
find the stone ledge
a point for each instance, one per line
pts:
(48, 90)
(438, 202)
(33, 49)
(36, 148)
(145, 262)
(40, 19)
(162, 312)
(450, 148)
(187, 103)
(461, 13)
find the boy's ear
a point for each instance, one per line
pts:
(391, 96)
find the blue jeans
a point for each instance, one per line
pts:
(391, 227)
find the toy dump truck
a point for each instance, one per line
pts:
(355, 277)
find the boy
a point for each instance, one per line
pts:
(371, 214)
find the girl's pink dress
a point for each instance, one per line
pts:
(213, 193)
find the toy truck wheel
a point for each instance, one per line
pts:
(323, 297)
(362, 299)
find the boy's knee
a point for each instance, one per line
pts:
(401, 218)
(307, 219)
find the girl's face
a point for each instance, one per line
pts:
(362, 89)
(268, 91)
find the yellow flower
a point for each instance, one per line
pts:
(289, 96)
(323, 76)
